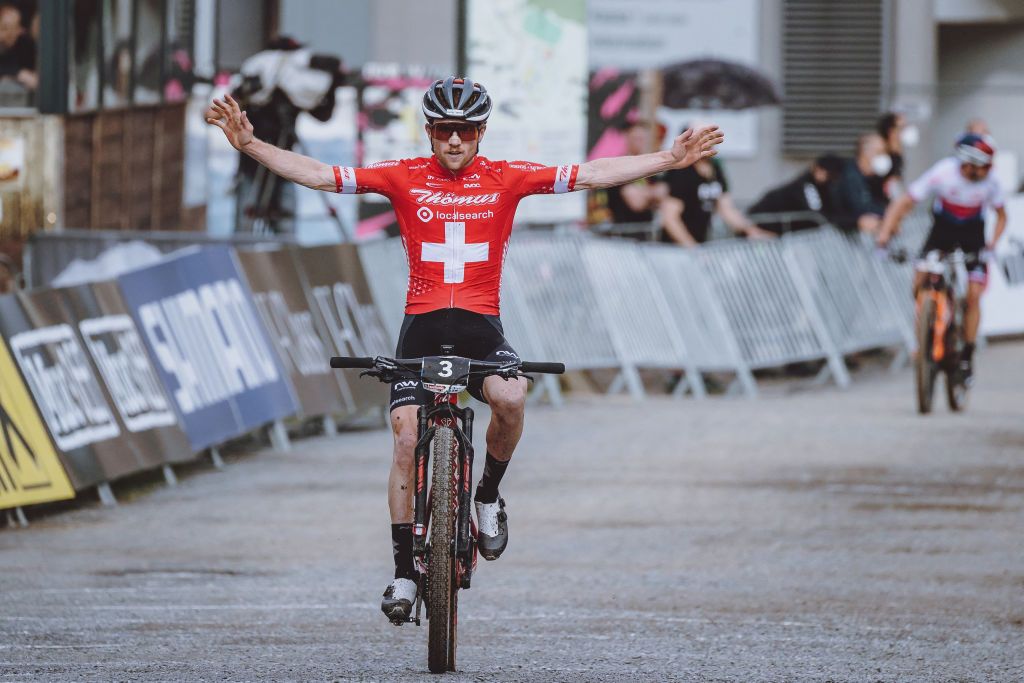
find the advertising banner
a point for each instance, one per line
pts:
(532, 57)
(69, 396)
(214, 357)
(624, 38)
(282, 302)
(119, 357)
(340, 296)
(30, 471)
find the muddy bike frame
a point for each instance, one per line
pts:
(442, 425)
(940, 308)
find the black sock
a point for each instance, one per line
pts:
(487, 489)
(968, 351)
(401, 545)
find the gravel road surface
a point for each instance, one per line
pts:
(811, 535)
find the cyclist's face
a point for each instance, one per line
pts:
(974, 173)
(454, 143)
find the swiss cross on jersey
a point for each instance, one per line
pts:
(455, 225)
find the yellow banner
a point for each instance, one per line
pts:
(29, 469)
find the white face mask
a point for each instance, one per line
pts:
(881, 164)
(910, 136)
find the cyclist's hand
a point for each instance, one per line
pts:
(227, 116)
(988, 254)
(693, 145)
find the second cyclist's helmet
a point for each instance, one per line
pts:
(457, 98)
(977, 150)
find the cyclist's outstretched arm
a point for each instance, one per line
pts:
(688, 148)
(893, 217)
(228, 116)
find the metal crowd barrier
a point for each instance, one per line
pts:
(732, 306)
(697, 314)
(770, 308)
(844, 285)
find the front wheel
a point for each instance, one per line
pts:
(441, 599)
(924, 368)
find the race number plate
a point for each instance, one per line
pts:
(445, 374)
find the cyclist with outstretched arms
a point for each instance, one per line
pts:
(961, 187)
(455, 210)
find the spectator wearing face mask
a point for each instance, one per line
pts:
(811, 191)
(898, 136)
(856, 207)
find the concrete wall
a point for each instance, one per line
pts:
(980, 73)
(363, 31)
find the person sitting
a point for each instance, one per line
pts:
(809, 192)
(636, 209)
(703, 190)
(856, 207)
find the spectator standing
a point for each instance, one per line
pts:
(704, 190)
(811, 191)
(856, 207)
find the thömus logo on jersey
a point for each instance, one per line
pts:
(437, 198)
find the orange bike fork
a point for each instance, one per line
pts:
(941, 322)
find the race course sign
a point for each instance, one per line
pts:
(30, 471)
(196, 316)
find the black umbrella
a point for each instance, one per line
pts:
(715, 84)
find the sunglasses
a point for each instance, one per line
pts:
(467, 132)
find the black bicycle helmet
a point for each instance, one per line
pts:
(457, 98)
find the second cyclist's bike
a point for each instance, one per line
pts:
(941, 304)
(444, 533)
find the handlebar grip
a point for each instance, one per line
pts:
(546, 368)
(342, 362)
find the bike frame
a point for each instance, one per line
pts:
(944, 279)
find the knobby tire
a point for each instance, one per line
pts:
(925, 366)
(441, 569)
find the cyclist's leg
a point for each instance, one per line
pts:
(507, 399)
(977, 279)
(400, 480)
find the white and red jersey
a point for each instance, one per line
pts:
(956, 199)
(455, 224)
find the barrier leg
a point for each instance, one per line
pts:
(553, 390)
(330, 426)
(215, 458)
(692, 381)
(19, 514)
(617, 384)
(169, 476)
(279, 437)
(106, 495)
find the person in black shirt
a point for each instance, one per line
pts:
(857, 208)
(897, 135)
(643, 202)
(812, 190)
(17, 49)
(703, 190)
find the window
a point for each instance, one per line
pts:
(832, 63)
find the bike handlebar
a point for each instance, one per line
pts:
(344, 362)
(364, 363)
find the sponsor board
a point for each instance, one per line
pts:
(58, 374)
(280, 297)
(197, 318)
(340, 298)
(30, 471)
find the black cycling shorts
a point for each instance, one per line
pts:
(946, 236)
(473, 335)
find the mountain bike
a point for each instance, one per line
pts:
(940, 305)
(444, 533)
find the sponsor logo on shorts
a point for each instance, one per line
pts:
(408, 384)
(509, 354)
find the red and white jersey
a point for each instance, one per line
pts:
(455, 225)
(956, 198)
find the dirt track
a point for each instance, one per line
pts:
(819, 535)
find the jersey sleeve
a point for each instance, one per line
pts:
(996, 196)
(526, 178)
(382, 177)
(928, 183)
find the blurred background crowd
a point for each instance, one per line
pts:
(829, 108)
